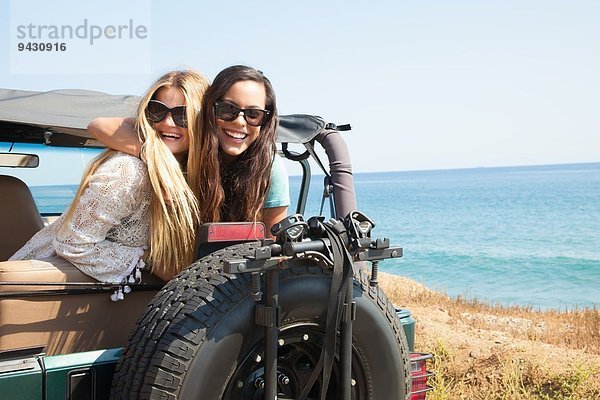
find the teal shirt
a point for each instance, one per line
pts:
(279, 190)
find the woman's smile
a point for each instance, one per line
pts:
(236, 136)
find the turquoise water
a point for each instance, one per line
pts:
(515, 235)
(53, 199)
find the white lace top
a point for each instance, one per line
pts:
(108, 233)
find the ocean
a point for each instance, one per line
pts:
(515, 235)
(525, 236)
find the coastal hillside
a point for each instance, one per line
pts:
(485, 351)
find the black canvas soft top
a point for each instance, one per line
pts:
(60, 117)
(299, 128)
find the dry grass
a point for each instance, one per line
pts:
(574, 329)
(501, 375)
(486, 351)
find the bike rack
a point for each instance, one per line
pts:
(353, 234)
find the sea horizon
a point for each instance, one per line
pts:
(318, 172)
(515, 235)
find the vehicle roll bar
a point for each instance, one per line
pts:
(340, 169)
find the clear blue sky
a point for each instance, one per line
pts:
(425, 84)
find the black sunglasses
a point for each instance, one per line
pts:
(156, 111)
(229, 112)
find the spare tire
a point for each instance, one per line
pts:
(198, 340)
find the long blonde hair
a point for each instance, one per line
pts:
(174, 213)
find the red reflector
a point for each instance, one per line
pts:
(232, 232)
(419, 375)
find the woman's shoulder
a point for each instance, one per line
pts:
(118, 157)
(278, 170)
(123, 161)
(279, 189)
(124, 166)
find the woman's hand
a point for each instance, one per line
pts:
(271, 216)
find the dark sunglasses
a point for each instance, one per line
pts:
(156, 111)
(229, 112)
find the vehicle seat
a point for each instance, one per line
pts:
(19, 215)
(63, 323)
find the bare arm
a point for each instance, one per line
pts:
(116, 133)
(271, 216)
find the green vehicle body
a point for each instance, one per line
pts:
(69, 376)
(85, 375)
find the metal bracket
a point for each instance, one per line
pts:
(378, 254)
(243, 265)
(381, 244)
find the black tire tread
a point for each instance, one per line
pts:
(172, 306)
(174, 324)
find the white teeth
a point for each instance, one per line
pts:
(170, 135)
(236, 135)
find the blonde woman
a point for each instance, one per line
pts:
(128, 210)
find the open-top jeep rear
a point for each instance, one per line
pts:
(298, 317)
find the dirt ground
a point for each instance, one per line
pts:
(483, 345)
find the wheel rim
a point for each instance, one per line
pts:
(298, 353)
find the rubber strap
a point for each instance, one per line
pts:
(342, 265)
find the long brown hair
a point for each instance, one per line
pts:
(233, 191)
